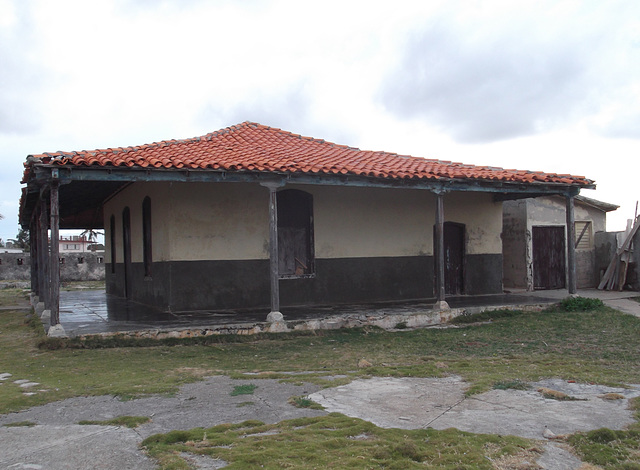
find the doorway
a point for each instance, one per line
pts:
(548, 246)
(453, 235)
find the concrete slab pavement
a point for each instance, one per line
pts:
(68, 447)
(58, 442)
(415, 403)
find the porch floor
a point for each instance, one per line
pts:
(93, 312)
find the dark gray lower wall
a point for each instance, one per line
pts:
(203, 285)
(349, 280)
(483, 274)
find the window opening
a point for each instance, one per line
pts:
(146, 236)
(295, 234)
(112, 236)
(583, 234)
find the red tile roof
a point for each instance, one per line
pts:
(253, 147)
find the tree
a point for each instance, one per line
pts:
(90, 234)
(21, 240)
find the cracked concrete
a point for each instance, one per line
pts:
(58, 442)
(417, 403)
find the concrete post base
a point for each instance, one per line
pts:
(441, 305)
(56, 331)
(39, 308)
(278, 327)
(275, 317)
(46, 316)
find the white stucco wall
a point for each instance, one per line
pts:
(371, 222)
(482, 218)
(229, 221)
(223, 221)
(132, 197)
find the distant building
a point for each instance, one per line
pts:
(75, 244)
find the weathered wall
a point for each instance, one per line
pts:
(371, 222)
(519, 217)
(370, 244)
(74, 267)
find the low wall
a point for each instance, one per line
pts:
(87, 266)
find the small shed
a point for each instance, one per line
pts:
(534, 242)
(252, 216)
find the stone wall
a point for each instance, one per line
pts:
(73, 266)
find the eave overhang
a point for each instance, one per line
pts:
(83, 189)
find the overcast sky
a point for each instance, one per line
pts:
(536, 85)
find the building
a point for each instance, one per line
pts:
(74, 244)
(256, 217)
(534, 243)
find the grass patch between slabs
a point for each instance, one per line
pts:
(246, 389)
(20, 424)
(127, 421)
(332, 441)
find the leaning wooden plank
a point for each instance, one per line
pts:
(610, 273)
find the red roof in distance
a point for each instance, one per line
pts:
(256, 148)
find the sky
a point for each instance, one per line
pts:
(534, 85)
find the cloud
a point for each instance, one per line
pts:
(21, 78)
(516, 73)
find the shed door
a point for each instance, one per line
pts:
(548, 257)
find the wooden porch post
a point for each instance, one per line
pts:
(33, 251)
(571, 245)
(441, 303)
(54, 263)
(43, 252)
(275, 314)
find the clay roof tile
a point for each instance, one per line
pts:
(254, 147)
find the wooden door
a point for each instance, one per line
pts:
(548, 257)
(453, 235)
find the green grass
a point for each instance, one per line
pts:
(82, 285)
(580, 304)
(598, 346)
(303, 402)
(128, 421)
(333, 441)
(611, 450)
(246, 389)
(516, 384)
(12, 296)
(512, 349)
(19, 424)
